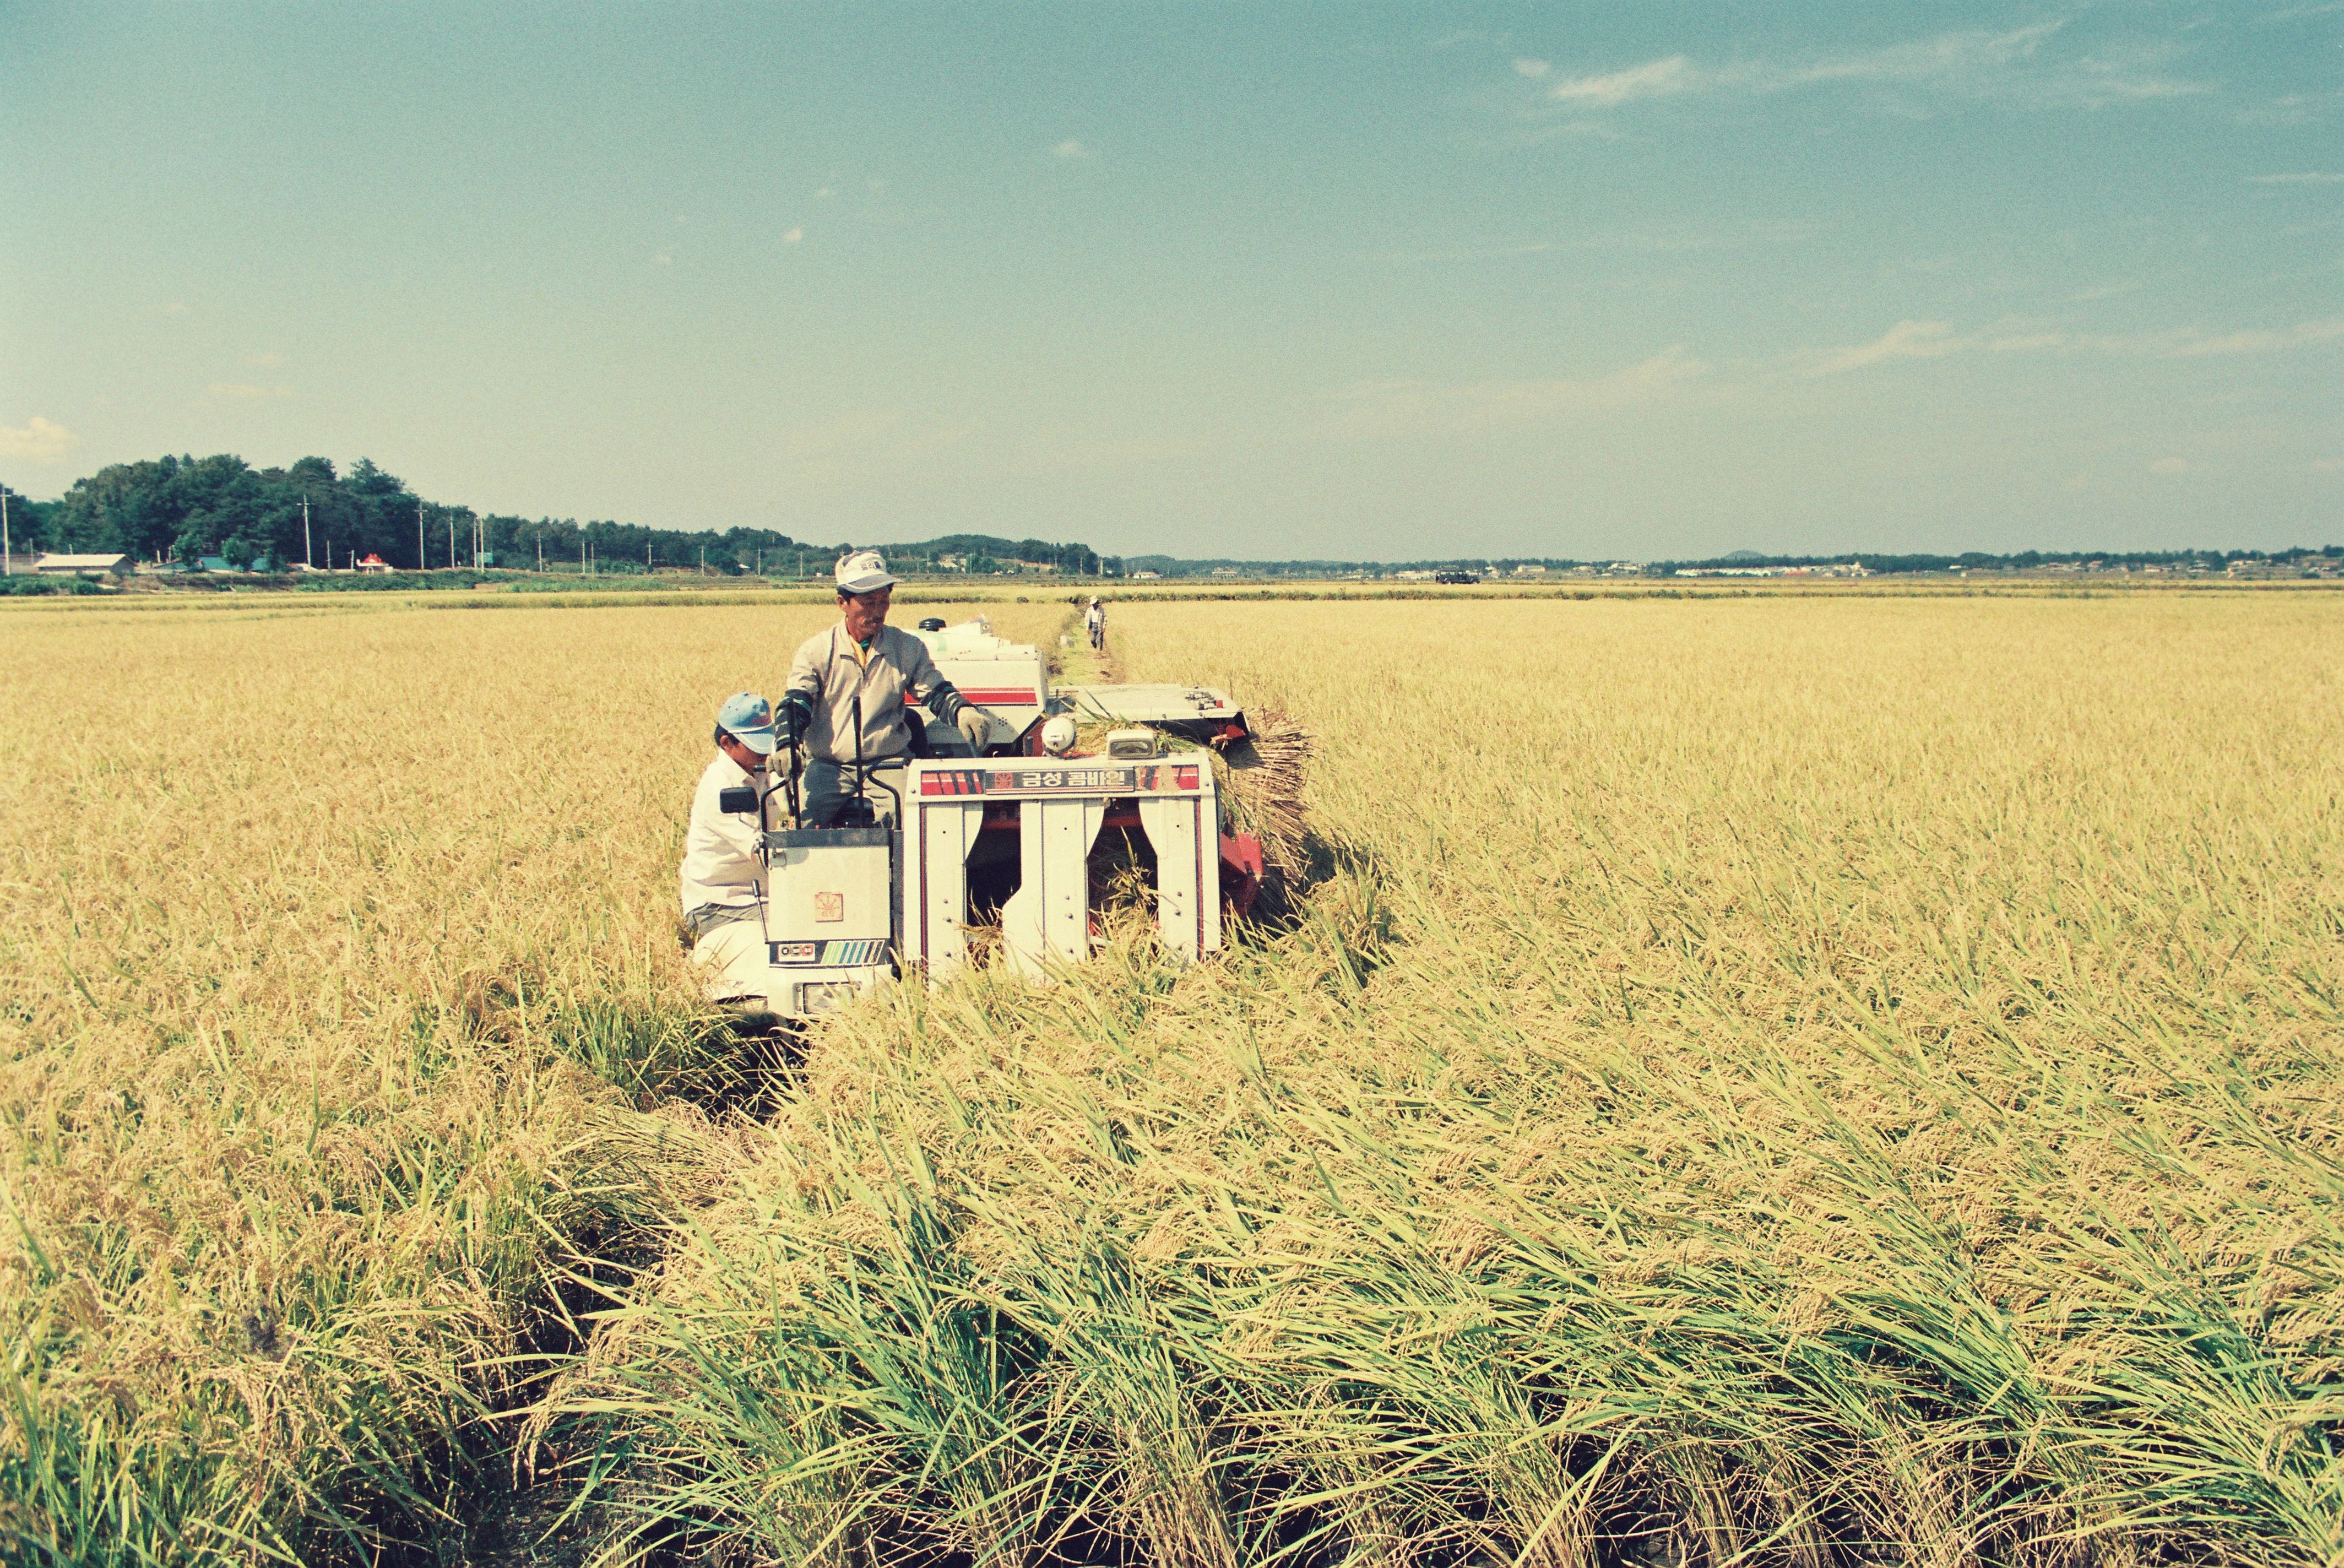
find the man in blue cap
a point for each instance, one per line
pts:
(723, 878)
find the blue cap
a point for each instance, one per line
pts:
(748, 718)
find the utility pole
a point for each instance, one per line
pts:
(308, 557)
(451, 542)
(647, 557)
(8, 559)
(420, 563)
(541, 555)
(703, 561)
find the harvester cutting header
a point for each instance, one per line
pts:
(915, 792)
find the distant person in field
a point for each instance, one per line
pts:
(1094, 624)
(723, 878)
(848, 685)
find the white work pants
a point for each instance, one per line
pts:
(733, 954)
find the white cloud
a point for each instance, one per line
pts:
(1070, 148)
(1906, 340)
(2326, 330)
(1642, 242)
(1947, 58)
(792, 236)
(245, 391)
(1971, 63)
(2171, 465)
(825, 194)
(1656, 79)
(1533, 68)
(1377, 408)
(2328, 465)
(2295, 179)
(1925, 338)
(39, 441)
(266, 360)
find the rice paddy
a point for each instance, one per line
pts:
(1782, 1081)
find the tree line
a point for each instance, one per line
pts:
(190, 509)
(186, 509)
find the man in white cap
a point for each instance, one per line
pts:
(723, 875)
(847, 686)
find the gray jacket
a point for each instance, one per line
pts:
(829, 686)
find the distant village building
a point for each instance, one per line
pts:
(54, 565)
(1227, 572)
(1529, 569)
(1146, 576)
(374, 563)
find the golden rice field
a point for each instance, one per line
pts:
(1784, 1080)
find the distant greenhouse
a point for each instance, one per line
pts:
(100, 565)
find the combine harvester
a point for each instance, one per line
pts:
(1020, 835)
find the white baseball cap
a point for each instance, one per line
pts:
(861, 571)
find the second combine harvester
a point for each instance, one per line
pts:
(1013, 835)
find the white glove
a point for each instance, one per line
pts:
(973, 726)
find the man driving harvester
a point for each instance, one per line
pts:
(846, 692)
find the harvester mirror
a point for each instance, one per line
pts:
(740, 797)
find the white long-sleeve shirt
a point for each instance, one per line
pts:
(719, 849)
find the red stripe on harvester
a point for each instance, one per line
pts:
(1006, 697)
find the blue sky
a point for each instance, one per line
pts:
(1258, 281)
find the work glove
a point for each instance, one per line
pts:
(974, 726)
(791, 718)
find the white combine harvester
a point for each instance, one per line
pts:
(1013, 838)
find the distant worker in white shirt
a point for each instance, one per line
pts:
(1094, 624)
(723, 878)
(847, 686)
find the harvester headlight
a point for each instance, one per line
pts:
(1132, 743)
(1058, 734)
(822, 995)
